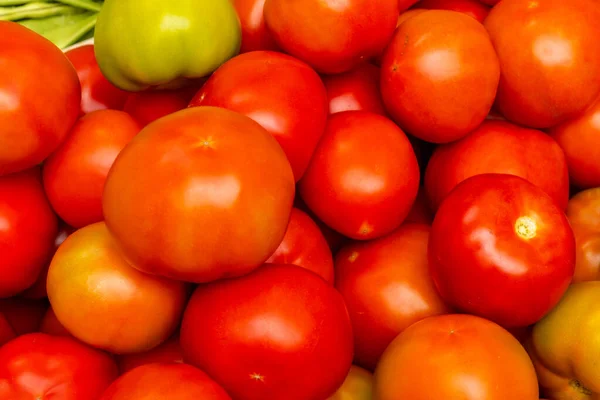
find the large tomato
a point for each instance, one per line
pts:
(280, 332)
(150, 105)
(472, 8)
(357, 386)
(455, 357)
(39, 101)
(387, 288)
(439, 75)
(167, 352)
(504, 148)
(281, 93)
(255, 35)
(74, 175)
(23, 315)
(501, 248)
(332, 37)
(27, 231)
(104, 302)
(549, 59)
(203, 194)
(40, 366)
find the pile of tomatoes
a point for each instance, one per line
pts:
(373, 200)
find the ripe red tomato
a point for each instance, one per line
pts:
(39, 101)
(255, 35)
(103, 301)
(549, 59)
(182, 186)
(52, 326)
(499, 147)
(357, 386)
(40, 366)
(359, 183)
(280, 332)
(28, 227)
(455, 357)
(334, 239)
(387, 288)
(97, 93)
(500, 248)
(150, 105)
(490, 2)
(439, 75)
(282, 94)
(472, 8)
(74, 175)
(167, 352)
(420, 212)
(23, 315)
(332, 37)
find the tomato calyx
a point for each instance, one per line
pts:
(578, 386)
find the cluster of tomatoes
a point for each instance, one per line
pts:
(364, 204)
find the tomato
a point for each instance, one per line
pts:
(283, 94)
(361, 184)
(23, 315)
(40, 366)
(269, 334)
(409, 14)
(499, 147)
(219, 168)
(583, 210)
(500, 248)
(420, 212)
(75, 174)
(304, 246)
(332, 37)
(28, 227)
(150, 105)
(455, 357)
(255, 35)
(550, 65)
(97, 93)
(472, 8)
(98, 297)
(387, 288)
(334, 239)
(165, 381)
(357, 386)
(490, 2)
(6, 332)
(405, 4)
(167, 352)
(439, 75)
(52, 326)
(39, 98)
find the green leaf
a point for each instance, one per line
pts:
(34, 10)
(64, 30)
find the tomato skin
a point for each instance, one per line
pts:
(550, 66)
(360, 184)
(255, 35)
(74, 175)
(405, 4)
(583, 210)
(356, 32)
(150, 105)
(439, 75)
(386, 286)
(455, 357)
(41, 366)
(497, 241)
(357, 386)
(472, 8)
(267, 335)
(167, 352)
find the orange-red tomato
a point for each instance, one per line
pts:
(167, 352)
(472, 8)
(23, 315)
(455, 357)
(357, 386)
(150, 105)
(583, 210)
(255, 35)
(52, 326)
(549, 59)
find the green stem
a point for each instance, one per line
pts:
(66, 36)
(34, 11)
(83, 4)
(5, 3)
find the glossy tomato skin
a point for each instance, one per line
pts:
(496, 243)
(255, 35)
(547, 51)
(357, 386)
(40, 98)
(284, 95)
(268, 334)
(221, 168)
(29, 227)
(472, 8)
(386, 286)
(583, 213)
(97, 93)
(40, 366)
(364, 175)
(499, 147)
(167, 352)
(355, 32)
(74, 175)
(95, 293)
(439, 75)
(455, 357)
(150, 105)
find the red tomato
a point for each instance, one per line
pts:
(359, 183)
(490, 2)
(499, 147)
(52, 326)
(387, 288)
(167, 352)
(405, 4)
(420, 212)
(40, 366)
(97, 93)
(500, 248)
(357, 386)
(165, 381)
(103, 301)
(304, 246)
(439, 75)
(23, 315)
(334, 239)
(549, 59)
(255, 35)
(220, 168)
(39, 98)
(332, 37)
(6, 332)
(455, 357)
(150, 105)
(472, 8)
(408, 14)
(283, 94)
(280, 332)
(28, 227)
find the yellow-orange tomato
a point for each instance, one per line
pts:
(357, 386)
(583, 212)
